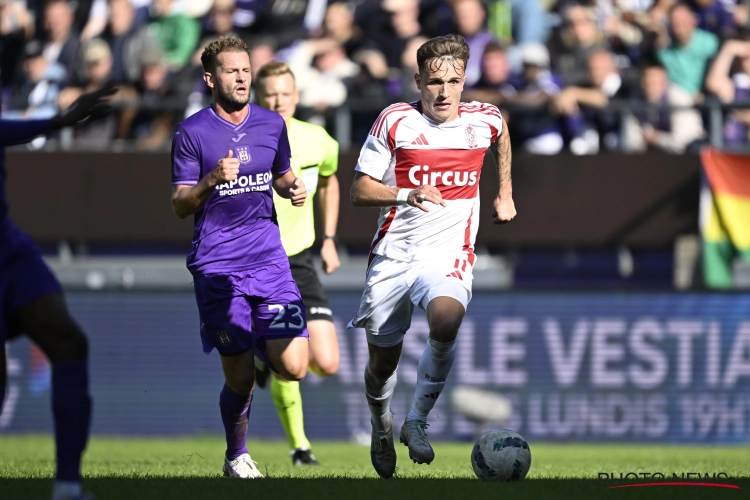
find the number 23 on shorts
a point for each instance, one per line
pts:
(291, 317)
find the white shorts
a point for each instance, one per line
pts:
(394, 287)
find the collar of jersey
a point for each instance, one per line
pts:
(228, 124)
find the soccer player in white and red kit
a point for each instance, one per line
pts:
(421, 165)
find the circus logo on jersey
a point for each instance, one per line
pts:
(243, 154)
(471, 136)
(455, 172)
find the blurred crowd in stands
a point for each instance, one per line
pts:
(578, 75)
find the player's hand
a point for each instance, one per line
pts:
(330, 256)
(227, 169)
(425, 193)
(90, 103)
(298, 192)
(503, 211)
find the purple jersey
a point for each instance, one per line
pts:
(236, 228)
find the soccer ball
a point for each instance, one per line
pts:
(501, 455)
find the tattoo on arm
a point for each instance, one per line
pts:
(504, 158)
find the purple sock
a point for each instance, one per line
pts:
(71, 408)
(235, 411)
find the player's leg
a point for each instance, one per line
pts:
(48, 324)
(385, 313)
(225, 316)
(234, 402)
(323, 354)
(445, 299)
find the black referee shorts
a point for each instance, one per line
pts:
(313, 295)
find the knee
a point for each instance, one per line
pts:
(444, 328)
(325, 367)
(241, 383)
(293, 372)
(70, 344)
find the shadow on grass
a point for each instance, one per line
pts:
(348, 488)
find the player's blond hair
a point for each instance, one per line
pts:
(273, 68)
(227, 43)
(449, 48)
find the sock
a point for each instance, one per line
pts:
(71, 408)
(432, 370)
(288, 400)
(235, 411)
(379, 393)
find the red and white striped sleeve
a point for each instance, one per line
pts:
(377, 151)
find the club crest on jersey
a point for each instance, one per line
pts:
(243, 154)
(471, 136)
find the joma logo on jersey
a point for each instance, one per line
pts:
(243, 154)
(446, 178)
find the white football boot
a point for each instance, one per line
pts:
(242, 466)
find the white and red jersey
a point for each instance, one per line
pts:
(406, 149)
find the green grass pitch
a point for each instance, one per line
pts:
(190, 468)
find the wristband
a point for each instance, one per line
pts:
(329, 237)
(402, 198)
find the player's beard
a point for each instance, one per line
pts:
(231, 101)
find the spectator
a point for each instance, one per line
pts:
(127, 40)
(177, 33)
(393, 27)
(61, 41)
(656, 126)
(533, 126)
(41, 82)
(405, 89)
(715, 16)
(152, 125)
(587, 123)
(496, 73)
(98, 132)
(323, 74)
(16, 26)
(579, 39)
(729, 86)
(528, 21)
(339, 25)
(219, 21)
(470, 20)
(687, 57)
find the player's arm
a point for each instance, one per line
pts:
(328, 198)
(20, 131)
(368, 191)
(186, 199)
(503, 209)
(290, 187)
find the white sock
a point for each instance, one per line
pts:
(379, 393)
(64, 490)
(432, 370)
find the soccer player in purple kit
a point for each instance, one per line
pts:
(225, 160)
(33, 304)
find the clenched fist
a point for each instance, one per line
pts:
(298, 192)
(227, 169)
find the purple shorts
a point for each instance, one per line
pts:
(240, 311)
(24, 277)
